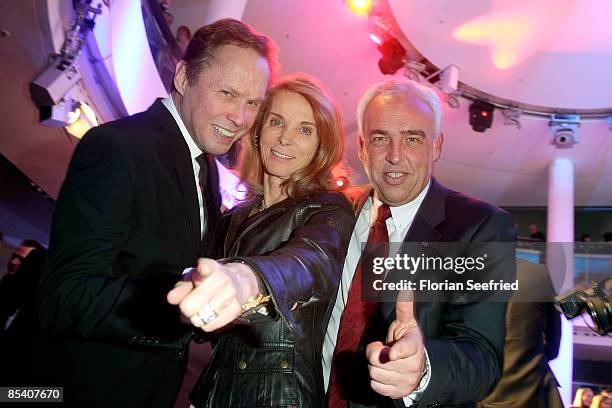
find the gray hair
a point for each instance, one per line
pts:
(407, 88)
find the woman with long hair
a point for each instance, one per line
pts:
(293, 231)
(583, 397)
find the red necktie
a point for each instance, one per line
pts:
(356, 313)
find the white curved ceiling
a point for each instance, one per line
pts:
(505, 165)
(552, 53)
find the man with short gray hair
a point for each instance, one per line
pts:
(425, 353)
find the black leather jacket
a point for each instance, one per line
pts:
(297, 247)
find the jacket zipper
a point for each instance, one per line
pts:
(249, 228)
(253, 225)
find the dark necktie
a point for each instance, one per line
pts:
(207, 196)
(356, 313)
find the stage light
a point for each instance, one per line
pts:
(375, 38)
(446, 79)
(564, 130)
(512, 117)
(360, 6)
(449, 79)
(481, 116)
(393, 56)
(56, 115)
(52, 84)
(51, 90)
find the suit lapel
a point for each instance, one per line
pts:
(183, 167)
(423, 229)
(430, 214)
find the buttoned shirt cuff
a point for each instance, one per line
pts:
(415, 396)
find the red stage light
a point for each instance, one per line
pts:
(393, 56)
(481, 115)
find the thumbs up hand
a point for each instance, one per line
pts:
(396, 367)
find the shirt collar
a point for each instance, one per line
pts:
(402, 215)
(194, 150)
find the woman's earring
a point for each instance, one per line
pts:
(256, 141)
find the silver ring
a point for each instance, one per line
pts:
(207, 314)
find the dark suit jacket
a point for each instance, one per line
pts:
(125, 225)
(532, 340)
(464, 341)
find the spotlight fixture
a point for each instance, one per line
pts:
(481, 116)
(393, 56)
(52, 84)
(57, 115)
(564, 130)
(446, 79)
(512, 117)
(50, 90)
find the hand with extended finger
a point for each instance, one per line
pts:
(396, 367)
(213, 294)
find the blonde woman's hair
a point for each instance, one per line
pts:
(578, 397)
(598, 400)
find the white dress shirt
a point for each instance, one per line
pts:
(194, 151)
(397, 228)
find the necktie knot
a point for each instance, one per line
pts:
(203, 173)
(384, 212)
(202, 159)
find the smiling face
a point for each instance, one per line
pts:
(219, 106)
(398, 148)
(289, 138)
